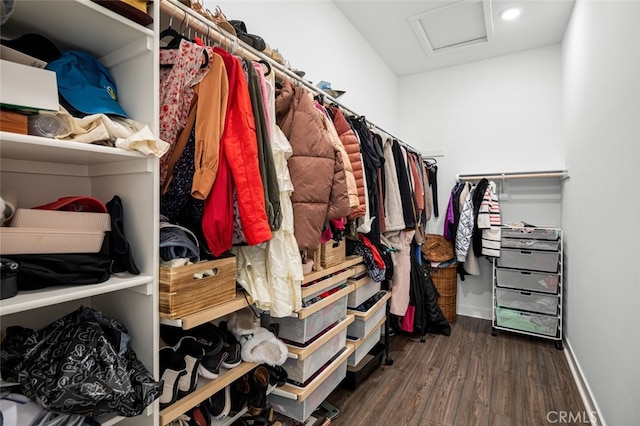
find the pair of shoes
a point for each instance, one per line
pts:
(258, 384)
(252, 40)
(193, 353)
(218, 406)
(258, 344)
(172, 367)
(231, 346)
(239, 391)
(277, 375)
(210, 338)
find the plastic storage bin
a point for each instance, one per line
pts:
(526, 321)
(365, 287)
(527, 301)
(302, 330)
(301, 410)
(302, 370)
(363, 345)
(529, 259)
(531, 233)
(530, 244)
(364, 324)
(527, 280)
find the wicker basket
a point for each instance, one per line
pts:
(446, 282)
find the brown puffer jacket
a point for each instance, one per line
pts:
(319, 183)
(351, 145)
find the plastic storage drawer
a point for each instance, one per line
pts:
(302, 330)
(526, 280)
(365, 287)
(301, 410)
(546, 261)
(361, 327)
(530, 244)
(527, 301)
(526, 321)
(364, 345)
(531, 233)
(302, 370)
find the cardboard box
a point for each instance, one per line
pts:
(27, 88)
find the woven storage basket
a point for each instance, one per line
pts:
(446, 282)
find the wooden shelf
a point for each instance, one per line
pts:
(364, 316)
(300, 394)
(302, 353)
(205, 389)
(209, 314)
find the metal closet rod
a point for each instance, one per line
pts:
(188, 17)
(562, 174)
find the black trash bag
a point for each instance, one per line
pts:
(79, 364)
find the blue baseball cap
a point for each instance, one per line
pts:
(86, 84)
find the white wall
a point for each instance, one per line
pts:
(601, 55)
(498, 115)
(314, 36)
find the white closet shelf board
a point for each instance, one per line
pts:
(27, 300)
(66, 158)
(557, 174)
(78, 24)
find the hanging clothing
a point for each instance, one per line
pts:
(351, 145)
(406, 193)
(428, 203)
(265, 156)
(176, 91)
(272, 274)
(489, 222)
(377, 140)
(478, 195)
(464, 231)
(315, 166)
(239, 149)
(394, 219)
(433, 182)
(400, 283)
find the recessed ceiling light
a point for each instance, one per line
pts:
(510, 13)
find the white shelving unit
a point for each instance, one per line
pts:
(42, 170)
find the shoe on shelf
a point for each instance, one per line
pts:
(258, 384)
(192, 352)
(219, 405)
(277, 375)
(231, 346)
(210, 338)
(172, 368)
(239, 394)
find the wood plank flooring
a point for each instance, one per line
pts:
(468, 378)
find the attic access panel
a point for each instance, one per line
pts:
(456, 25)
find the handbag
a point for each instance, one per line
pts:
(437, 248)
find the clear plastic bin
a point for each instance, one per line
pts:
(546, 261)
(363, 348)
(527, 280)
(527, 301)
(530, 244)
(526, 321)
(360, 327)
(302, 370)
(365, 287)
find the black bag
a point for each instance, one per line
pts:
(79, 364)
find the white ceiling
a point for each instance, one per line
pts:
(457, 31)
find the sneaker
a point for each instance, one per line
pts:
(231, 346)
(209, 367)
(192, 352)
(210, 338)
(172, 368)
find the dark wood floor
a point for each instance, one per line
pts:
(468, 378)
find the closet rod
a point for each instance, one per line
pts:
(207, 29)
(562, 174)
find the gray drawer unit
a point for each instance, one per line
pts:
(527, 301)
(527, 283)
(530, 244)
(528, 280)
(532, 260)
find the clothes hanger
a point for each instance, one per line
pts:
(267, 64)
(175, 42)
